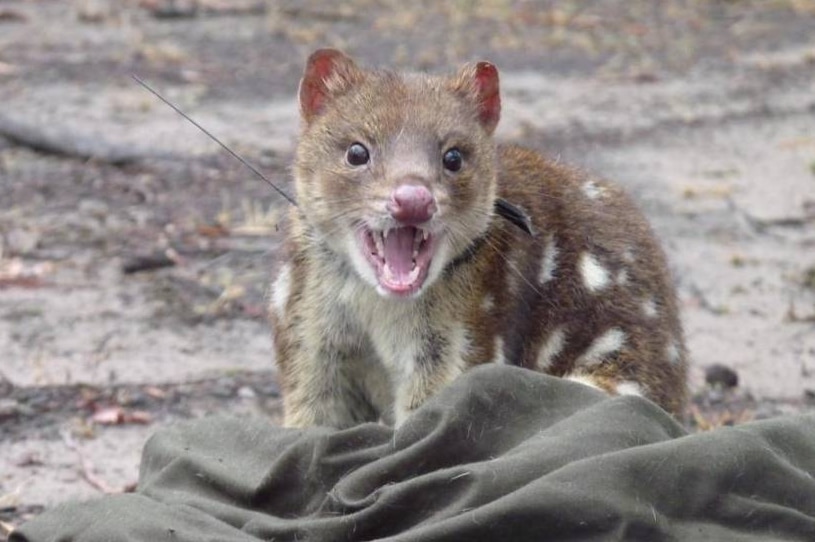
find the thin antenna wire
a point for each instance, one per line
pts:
(215, 139)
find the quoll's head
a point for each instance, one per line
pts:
(396, 172)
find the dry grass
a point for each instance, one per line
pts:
(163, 53)
(707, 421)
(253, 218)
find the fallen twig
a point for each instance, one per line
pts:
(793, 316)
(86, 469)
(138, 264)
(174, 9)
(60, 142)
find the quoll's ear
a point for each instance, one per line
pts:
(328, 74)
(480, 82)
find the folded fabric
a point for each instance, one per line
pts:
(502, 454)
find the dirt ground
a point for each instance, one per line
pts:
(135, 254)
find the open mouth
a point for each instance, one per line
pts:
(399, 256)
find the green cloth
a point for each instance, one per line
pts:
(502, 454)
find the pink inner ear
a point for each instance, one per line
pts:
(486, 81)
(313, 91)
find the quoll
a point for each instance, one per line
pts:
(421, 248)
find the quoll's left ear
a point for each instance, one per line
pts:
(480, 82)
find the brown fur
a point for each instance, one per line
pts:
(347, 354)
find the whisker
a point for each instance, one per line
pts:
(238, 157)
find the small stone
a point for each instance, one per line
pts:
(715, 396)
(224, 388)
(10, 15)
(9, 408)
(95, 208)
(269, 389)
(20, 242)
(92, 11)
(720, 376)
(29, 459)
(245, 392)
(6, 386)
(131, 398)
(765, 411)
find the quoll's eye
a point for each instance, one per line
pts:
(452, 160)
(357, 155)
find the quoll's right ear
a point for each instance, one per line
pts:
(328, 74)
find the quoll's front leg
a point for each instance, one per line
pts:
(329, 377)
(436, 360)
(327, 396)
(331, 383)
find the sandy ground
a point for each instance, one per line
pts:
(704, 111)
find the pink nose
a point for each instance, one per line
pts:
(412, 204)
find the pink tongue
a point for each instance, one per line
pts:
(399, 250)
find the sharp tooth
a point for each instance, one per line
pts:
(385, 233)
(414, 274)
(379, 243)
(425, 235)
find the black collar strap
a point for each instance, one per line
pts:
(468, 254)
(514, 214)
(504, 209)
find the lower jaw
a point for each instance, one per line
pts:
(401, 292)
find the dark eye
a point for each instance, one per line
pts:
(357, 155)
(452, 160)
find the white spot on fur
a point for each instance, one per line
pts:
(607, 343)
(649, 308)
(672, 352)
(593, 190)
(628, 387)
(628, 256)
(595, 276)
(360, 264)
(281, 290)
(437, 265)
(487, 303)
(498, 355)
(549, 261)
(585, 380)
(622, 277)
(552, 347)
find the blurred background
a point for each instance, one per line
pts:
(135, 255)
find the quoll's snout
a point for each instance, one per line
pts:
(412, 204)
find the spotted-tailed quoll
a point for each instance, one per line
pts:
(420, 248)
